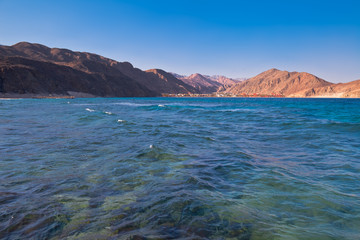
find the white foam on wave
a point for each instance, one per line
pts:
(200, 105)
(87, 104)
(160, 105)
(132, 104)
(90, 110)
(120, 120)
(236, 110)
(109, 113)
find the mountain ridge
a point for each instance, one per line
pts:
(274, 81)
(31, 68)
(206, 84)
(103, 69)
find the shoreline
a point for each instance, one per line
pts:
(69, 95)
(73, 97)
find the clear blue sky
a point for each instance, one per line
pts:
(232, 38)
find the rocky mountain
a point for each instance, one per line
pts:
(20, 75)
(340, 90)
(207, 84)
(275, 81)
(224, 81)
(28, 69)
(37, 69)
(201, 83)
(170, 84)
(240, 79)
(178, 76)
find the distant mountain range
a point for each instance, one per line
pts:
(208, 84)
(28, 70)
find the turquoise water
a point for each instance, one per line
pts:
(162, 168)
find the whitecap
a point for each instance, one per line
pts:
(160, 105)
(120, 120)
(87, 104)
(131, 104)
(109, 113)
(90, 110)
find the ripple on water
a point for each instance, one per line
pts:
(162, 168)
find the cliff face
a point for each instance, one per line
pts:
(27, 67)
(275, 81)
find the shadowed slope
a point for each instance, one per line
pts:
(170, 84)
(104, 70)
(25, 76)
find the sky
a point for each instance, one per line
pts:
(232, 38)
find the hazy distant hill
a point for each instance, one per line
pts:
(224, 81)
(275, 81)
(207, 84)
(201, 83)
(37, 69)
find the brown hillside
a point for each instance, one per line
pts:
(96, 65)
(340, 90)
(275, 81)
(170, 84)
(201, 83)
(20, 75)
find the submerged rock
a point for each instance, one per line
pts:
(118, 201)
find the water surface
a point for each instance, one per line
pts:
(169, 168)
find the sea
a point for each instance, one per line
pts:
(180, 168)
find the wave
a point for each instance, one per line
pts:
(133, 104)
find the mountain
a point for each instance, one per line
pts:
(207, 84)
(224, 81)
(178, 76)
(201, 83)
(240, 79)
(339, 90)
(37, 69)
(25, 76)
(28, 69)
(275, 81)
(170, 84)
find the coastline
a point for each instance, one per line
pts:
(50, 96)
(70, 95)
